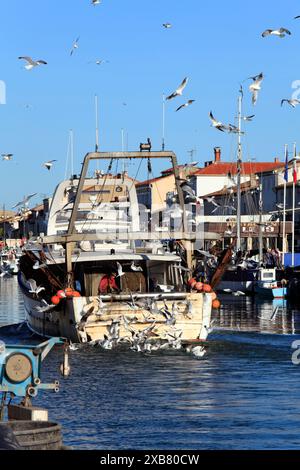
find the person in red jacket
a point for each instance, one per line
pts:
(108, 284)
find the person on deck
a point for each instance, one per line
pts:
(108, 284)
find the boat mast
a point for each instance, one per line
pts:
(294, 201)
(260, 204)
(239, 171)
(97, 123)
(163, 122)
(285, 179)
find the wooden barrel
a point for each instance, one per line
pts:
(37, 435)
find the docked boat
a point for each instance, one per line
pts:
(268, 287)
(96, 277)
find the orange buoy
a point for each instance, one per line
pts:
(76, 294)
(199, 286)
(207, 288)
(55, 300)
(191, 281)
(61, 294)
(216, 304)
(213, 296)
(69, 292)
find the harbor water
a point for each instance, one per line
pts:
(244, 393)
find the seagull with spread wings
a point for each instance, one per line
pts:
(75, 46)
(179, 90)
(292, 102)
(255, 87)
(32, 63)
(217, 124)
(25, 201)
(7, 156)
(281, 32)
(49, 164)
(188, 103)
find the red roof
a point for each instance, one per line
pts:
(153, 180)
(249, 168)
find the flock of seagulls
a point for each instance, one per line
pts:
(179, 92)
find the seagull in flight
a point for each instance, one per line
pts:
(255, 87)
(292, 102)
(32, 63)
(120, 270)
(25, 201)
(188, 103)
(281, 32)
(7, 156)
(75, 46)
(49, 164)
(217, 124)
(167, 25)
(96, 2)
(179, 90)
(249, 118)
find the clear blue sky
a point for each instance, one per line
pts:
(216, 44)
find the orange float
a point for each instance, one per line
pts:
(191, 282)
(76, 294)
(199, 286)
(61, 294)
(207, 288)
(69, 292)
(55, 300)
(216, 304)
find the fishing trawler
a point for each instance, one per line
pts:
(100, 275)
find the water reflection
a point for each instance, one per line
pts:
(234, 398)
(251, 314)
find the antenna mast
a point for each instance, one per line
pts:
(97, 123)
(239, 171)
(163, 122)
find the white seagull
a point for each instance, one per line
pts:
(32, 63)
(49, 164)
(167, 25)
(120, 270)
(179, 90)
(281, 32)
(188, 103)
(217, 124)
(136, 268)
(291, 102)
(7, 156)
(75, 46)
(255, 87)
(249, 118)
(25, 201)
(96, 2)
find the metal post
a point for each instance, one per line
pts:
(294, 200)
(260, 225)
(163, 123)
(284, 247)
(239, 170)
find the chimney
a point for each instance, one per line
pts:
(217, 151)
(276, 160)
